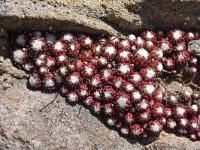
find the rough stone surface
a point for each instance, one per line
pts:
(61, 126)
(100, 16)
(177, 87)
(194, 47)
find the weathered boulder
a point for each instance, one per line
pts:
(102, 16)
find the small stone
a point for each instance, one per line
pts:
(1, 59)
(194, 47)
(6, 85)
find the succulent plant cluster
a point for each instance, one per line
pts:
(115, 77)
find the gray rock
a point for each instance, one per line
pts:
(177, 87)
(122, 16)
(194, 47)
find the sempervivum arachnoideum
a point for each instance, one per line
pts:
(180, 47)
(86, 42)
(141, 58)
(147, 88)
(185, 96)
(169, 63)
(148, 74)
(72, 97)
(131, 38)
(85, 55)
(111, 121)
(36, 33)
(29, 66)
(171, 101)
(197, 35)
(97, 94)
(108, 109)
(83, 90)
(182, 57)
(129, 118)
(118, 82)
(40, 60)
(135, 78)
(155, 127)
(38, 44)
(109, 94)
(149, 36)
(183, 122)
(156, 53)
(61, 59)
(67, 37)
(189, 36)
(106, 75)
(123, 101)
(124, 45)
(148, 45)
(171, 124)
(96, 107)
(50, 38)
(165, 46)
(88, 70)
(136, 96)
(124, 130)
(20, 40)
(49, 81)
(143, 116)
(128, 87)
(158, 95)
(192, 61)
(63, 71)
(116, 77)
(77, 66)
(157, 66)
(176, 35)
(136, 130)
(124, 69)
(43, 70)
(74, 79)
(157, 110)
(113, 40)
(96, 49)
(194, 125)
(102, 62)
(139, 42)
(89, 101)
(50, 62)
(179, 111)
(193, 109)
(167, 112)
(142, 105)
(35, 81)
(58, 77)
(20, 55)
(109, 51)
(95, 82)
(124, 56)
(160, 34)
(192, 71)
(73, 49)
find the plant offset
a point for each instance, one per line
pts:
(117, 78)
